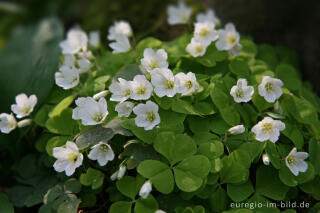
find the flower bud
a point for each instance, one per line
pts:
(100, 95)
(236, 130)
(25, 122)
(266, 159)
(145, 189)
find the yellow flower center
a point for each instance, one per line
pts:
(204, 32)
(291, 160)
(72, 157)
(239, 93)
(12, 124)
(127, 92)
(74, 79)
(199, 49)
(267, 127)
(188, 84)
(26, 109)
(153, 64)
(151, 116)
(231, 39)
(268, 86)
(184, 17)
(141, 90)
(169, 84)
(98, 117)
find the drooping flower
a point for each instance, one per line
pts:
(205, 32)
(24, 105)
(265, 159)
(120, 90)
(67, 77)
(208, 16)
(145, 189)
(236, 130)
(124, 109)
(152, 60)
(164, 82)
(242, 92)
(81, 63)
(119, 174)
(94, 39)
(119, 28)
(270, 88)
(196, 48)
(24, 123)
(100, 95)
(68, 158)
(295, 161)
(229, 39)
(102, 152)
(7, 123)
(147, 115)
(77, 40)
(89, 111)
(121, 44)
(187, 83)
(141, 88)
(268, 129)
(178, 14)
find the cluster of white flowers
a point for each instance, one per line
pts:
(76, 57)
(23, 107)
(163, 83)
(119, 33)
(229, 40)
(69, 157)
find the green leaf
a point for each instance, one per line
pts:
(260, 103)
(63, 124)
(184, 107)
(149, 42)
(171, 121)
(230, 115)
(144, 135)
(294, 134)
(199, 124)
(93, 136)
(55, 142)
(211, 149)
(100, 83)
(42, 141)
(267, 54)
(5, 205)
(249, 47)
(72, 185)
(128, 72)
(176, 48)
(64, 104)
(189, 174)
(70, 205)
(93, 178)
(218, 125)
(175, 147)
(159, 173)
(272, 152)
(239, 68)
(216, 165)
(121, 206)
(43, 115)
(148, 205)
(289, 76)
(218, 200)
(306, 113)
(240, 192)
(204, 108)
(130, 186)
(314, 150)
(268, 183)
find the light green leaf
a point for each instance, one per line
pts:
(211, 149)
(55, 142)
(130, 186)
(171, 121)
(148, 205)
(240, 192)
(121, 206)
(144, 135)
(93, 178)
(239, 68)
(59, 108)
(63, 124)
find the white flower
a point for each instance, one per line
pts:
(119, 174)
(147, 115)
(266, 159)
(120, 90)
(89, 111)
(145, 189)
(67, 78)
(228, 37)
(164, 82)
(270, 88)
(242, 92)
(94, 39)
(268, 129)
(178, 14)
(205, 32)
(295, 161)
(235, 50)
(141, 88)
(187, 83)
(24, 105)
(99, 95)
(196, 48)
(23, 123)
(152, 59)
(102, 152)
(119, 27)
(236, 130)
(124, 109)
(68, 159)
(76, 41)
(208, 16)
(7, 123)
(121, 44)
(159, 211)
(81, 62)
